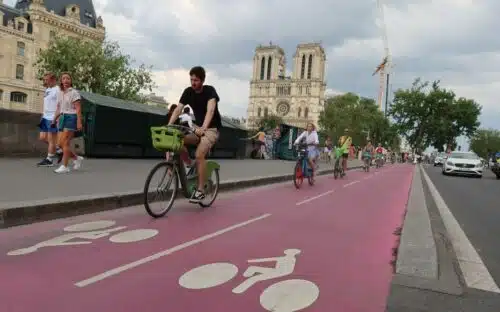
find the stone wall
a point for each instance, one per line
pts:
(19, 134)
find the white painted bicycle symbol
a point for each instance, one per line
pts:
(83, 233)
(284, 296)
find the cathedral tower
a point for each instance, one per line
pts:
(298, 99)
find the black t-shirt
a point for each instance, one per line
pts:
(199, 105)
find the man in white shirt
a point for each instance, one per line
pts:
(48, 133)
(185, 118)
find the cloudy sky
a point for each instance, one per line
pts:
(455, 41)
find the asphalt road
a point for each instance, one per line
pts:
(475, 203)
(322, 248)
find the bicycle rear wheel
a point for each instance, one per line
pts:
(168, 178)
(211, 187)
(298, 175)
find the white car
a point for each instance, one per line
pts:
(463, 163)
(440, 159)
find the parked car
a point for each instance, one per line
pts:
(463, 163)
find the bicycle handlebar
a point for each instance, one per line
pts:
(183, 128)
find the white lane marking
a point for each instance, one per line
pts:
(131, 265)
(314, 197)
(475, 273)
(349, 184)
(310, 199)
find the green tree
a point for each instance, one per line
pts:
(360, 115)
(98, 67)
(427, 114)
(269, 122)
(485, 141)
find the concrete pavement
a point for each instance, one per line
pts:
(32, 194)
(464, 218)
(322, 248)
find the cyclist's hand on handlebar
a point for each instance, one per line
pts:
(199, 131)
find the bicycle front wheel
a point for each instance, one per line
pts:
(298, 175)
(161, 193)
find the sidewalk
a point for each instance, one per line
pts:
(24, 185)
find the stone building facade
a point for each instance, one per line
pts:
(299, 98)
(26, 29)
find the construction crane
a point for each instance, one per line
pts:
(383, 69)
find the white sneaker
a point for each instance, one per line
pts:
(77, 163)
(62, 169)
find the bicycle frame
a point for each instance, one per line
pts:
(176, 162)
(304, 163)
(190, 182)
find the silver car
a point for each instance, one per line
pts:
(463, 163)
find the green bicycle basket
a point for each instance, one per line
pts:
(167, 139)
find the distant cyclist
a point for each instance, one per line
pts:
(379, 152)
(368, 152)
(310, 137)
(345, 142)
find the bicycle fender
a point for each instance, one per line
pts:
(211, 166)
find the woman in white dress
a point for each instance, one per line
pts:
(310, 138)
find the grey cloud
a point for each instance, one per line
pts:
(242, 25)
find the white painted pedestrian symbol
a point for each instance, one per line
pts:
(85, 233)
(285, 296)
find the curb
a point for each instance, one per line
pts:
(20, 213)
(438, 270)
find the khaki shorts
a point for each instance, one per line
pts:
(208, 141)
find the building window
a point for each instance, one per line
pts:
(266, 112)
(18, 97)
(1, 95)
(303, 67)
(20, 26)
(259, 112)
(300, 112)
(262, 68)
(269, 65)
(309, 67)
(19, 72)
(21, 46)
(306, 112)
(52, 34)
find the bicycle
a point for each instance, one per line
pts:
(171, 139)
(367, 159)
(338, 168)
(378, 161)
(302, 169)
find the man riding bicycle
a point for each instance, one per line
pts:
(203, 100)
(345, 142)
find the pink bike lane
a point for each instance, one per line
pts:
(327, 247)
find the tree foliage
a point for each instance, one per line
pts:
(485, 141)
(269, 122)
(98, 67)
(361, 116)
(429, 115)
